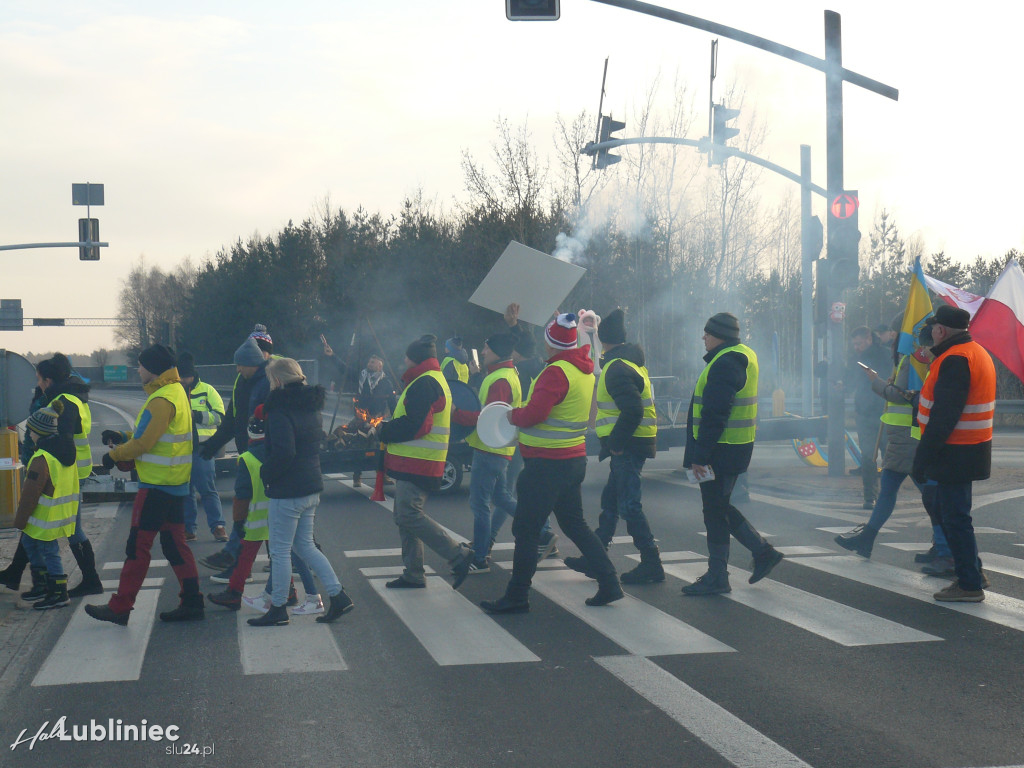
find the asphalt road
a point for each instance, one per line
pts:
(831, 662)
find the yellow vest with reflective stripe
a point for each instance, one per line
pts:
(54, 516)
(509, 375)
(433, 446)
(461, 369)
(566, 425)
(256, 526)
(170, 460)
(742, 422)
(608, 412)
(901, 414)
(204, 397)
(83, 453)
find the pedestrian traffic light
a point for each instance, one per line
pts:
(608, 127)
(88, 232)
(531, 10)
(843, 242)
(720, 131)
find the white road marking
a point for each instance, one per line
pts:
(154, 563)
(545, 563)
(373, 552)
(389, 570)
(907, 547)
(128, 418)
(91, 651)
(367, 491)
(983, 529)
(823, 617)
(722, 731)
(152, 581)
(431, 613)
(999, 609)
(302, 646)
(638, 627)
(1011, 566)
(798, 550)
(883, 529)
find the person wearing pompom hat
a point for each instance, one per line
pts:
(720, 427)
(628, 427)
(416, 442)
(161, 447)
(552, 436)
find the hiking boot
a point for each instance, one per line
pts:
(763, 564)
(608, 592)
(547, 543)
(580, 565)
(57, 596)
(277, 616)
(103, 613)
(926, 557)
(218, 561)
(860, 540)
(954, 593)
(505, 604)
(460, 570)
(649, 571)
(940, 567)
(40, 587)
(340, 605)
(190, 536)
(219, 534)
(190, 609)
(229, 598)
(709, 584)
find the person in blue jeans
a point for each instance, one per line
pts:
(207, 414)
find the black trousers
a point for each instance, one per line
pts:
(723, 520)
(545, 486)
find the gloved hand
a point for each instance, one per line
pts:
(112, 437)
(108, 462)
(198, 418)
(206, 451)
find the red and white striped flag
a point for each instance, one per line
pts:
(999, 324)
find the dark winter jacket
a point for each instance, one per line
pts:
(294, 431)
(626, 386)
(248, 393)
(727, 377)
(423, 396)
(865, 402)
(376, 398)
(935, 460)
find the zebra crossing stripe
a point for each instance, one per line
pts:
(431, 613)
(722, 731)
(1011, 566)
(302, 646)
(823, 617)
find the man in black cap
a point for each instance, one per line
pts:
(720, 427)
(956, 411)
(628, 428)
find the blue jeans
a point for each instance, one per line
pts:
(487, 484)
(44, 554)
(203, 482)
(621, 498)
(889, 485)
(954, 502)
(291, 526)
(298, 566)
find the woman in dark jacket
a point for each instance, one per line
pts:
(292, 481)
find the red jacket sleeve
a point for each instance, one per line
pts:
(551, 388)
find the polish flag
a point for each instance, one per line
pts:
(999, 324)
(958, 297)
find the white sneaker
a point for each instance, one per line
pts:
(259, 603)
(312, 605)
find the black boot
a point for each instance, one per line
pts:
(711, 583)
(57, 594)
(763, 564)
(39, 586)
(10, 576)
(580, 565)
(103, 613)
(91, 584)
(506, 604)
(649, 571)
(190, 609)
(340, 604)
(608, 591)
(860, 540)
(277, 616)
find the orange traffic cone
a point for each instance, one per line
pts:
(378, 485)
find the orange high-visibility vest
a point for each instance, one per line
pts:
(975, 424)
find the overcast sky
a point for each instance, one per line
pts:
(209, 121)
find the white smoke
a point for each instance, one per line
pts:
(595, 217)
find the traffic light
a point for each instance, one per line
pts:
(531, 10)
(608, 127)
(89, 232)
(843, 242)
(720, 131)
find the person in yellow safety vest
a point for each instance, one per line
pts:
(628, 427)
(720, 428)
(161, 447)
(416, 442)
(552, 436)
(207, 414)
(903, 434)
(956, 410)
(47, 508)
(455, 366)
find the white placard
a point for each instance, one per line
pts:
(535, 281)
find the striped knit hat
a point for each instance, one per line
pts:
(560, 333)
(44, 421)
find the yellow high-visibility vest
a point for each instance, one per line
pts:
(256, 524)
(742, 422)
(204, 398)
(901, 414)
(432, 448)
(608, 412)
(54, 516)
(170, 460)
(461, 369)
(566, 425)
(500, 374)
(83, 453)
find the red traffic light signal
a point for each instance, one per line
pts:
(843, 241)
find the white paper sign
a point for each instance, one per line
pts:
(535, 281)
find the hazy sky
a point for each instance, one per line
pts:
(209, 121)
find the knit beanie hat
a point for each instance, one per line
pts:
(454, 348)
(263, 340)
(612, 329)
(560, 333)
(249, 354)
(44, 421)
(723, 326)
(525, 344)
(424, 347)
(157, 359)
(501, 344)
(186, 365)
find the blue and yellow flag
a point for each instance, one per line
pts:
(918, 309)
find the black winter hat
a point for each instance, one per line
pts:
(157, 359)
(502, 345)
(525, 345)
(187, 365)
(612, 329)
(423, 348)
(951, 317)
(723, 326)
